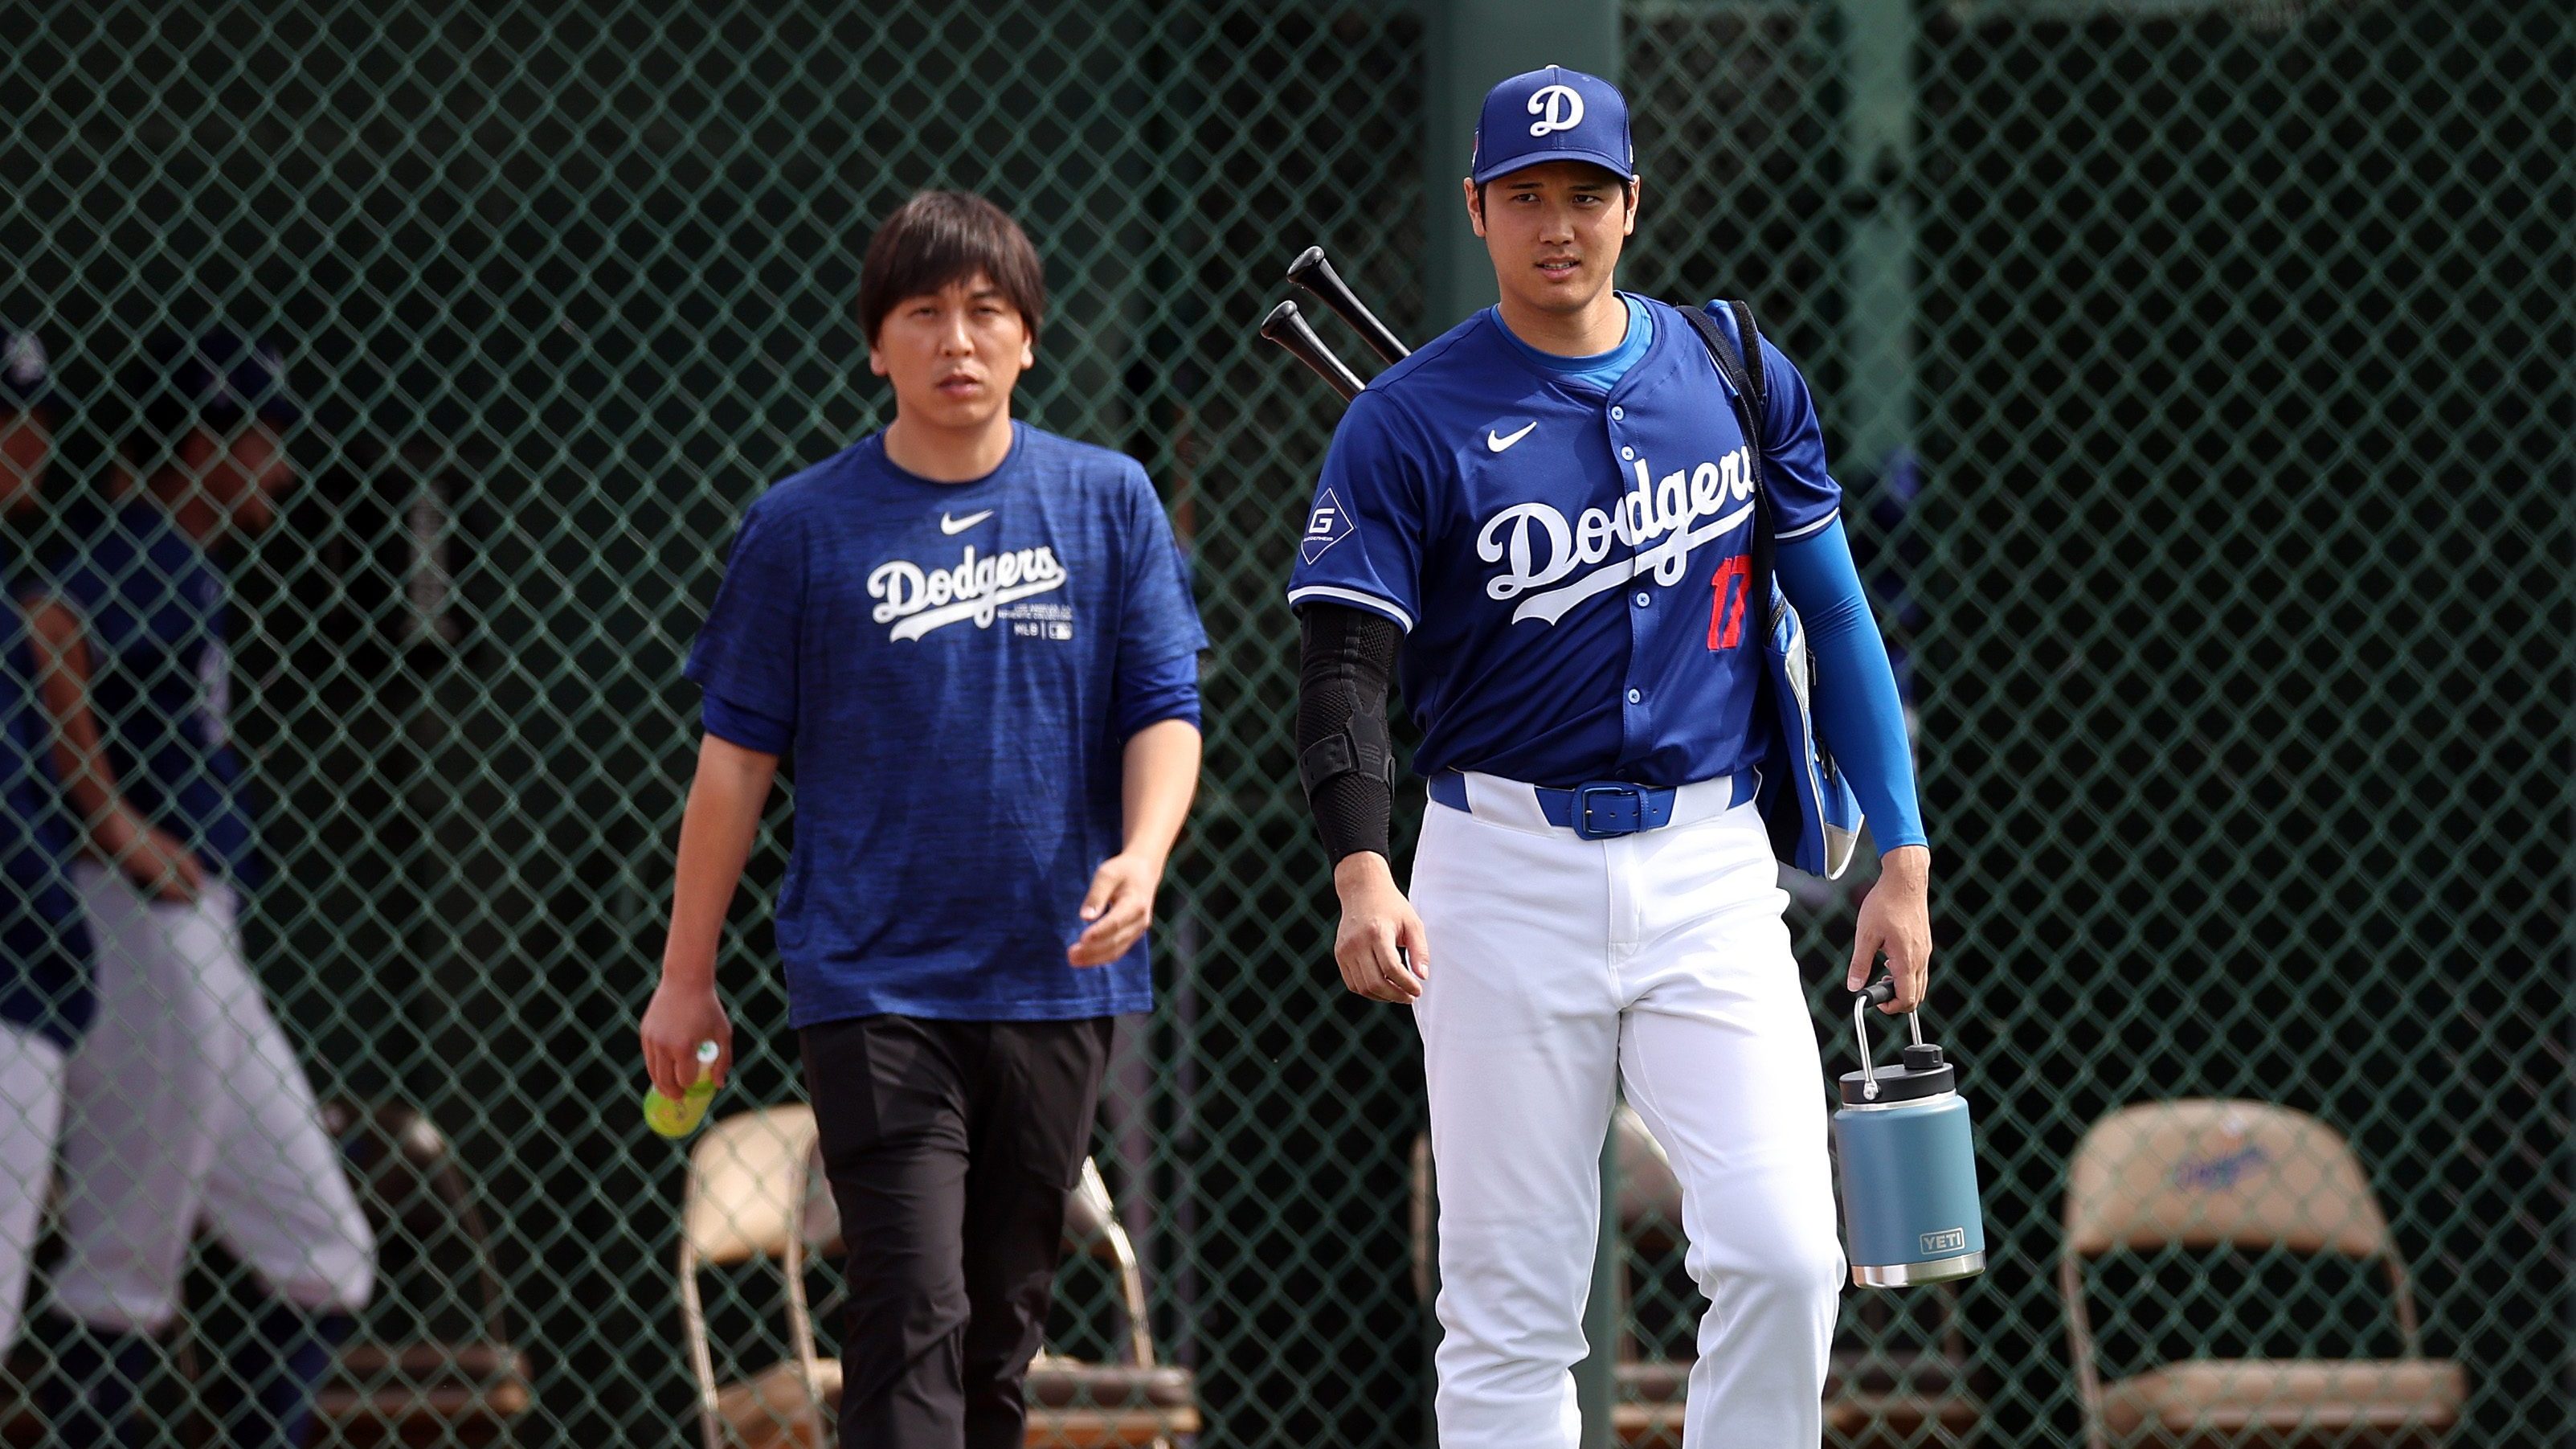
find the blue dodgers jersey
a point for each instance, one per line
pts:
(154, 607)
(44, 941)
(947, 656)
(1570, 566)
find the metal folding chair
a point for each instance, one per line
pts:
(2253, 1176)
(756, 1191)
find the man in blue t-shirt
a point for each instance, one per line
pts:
(44, 949)
(186, 1105)
(978, 640)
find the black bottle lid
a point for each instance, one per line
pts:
(1923, 1073)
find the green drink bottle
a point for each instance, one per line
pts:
(680, 1118)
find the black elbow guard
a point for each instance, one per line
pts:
(1345, 756)
(1361, 748)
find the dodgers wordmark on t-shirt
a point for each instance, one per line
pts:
(1569, 563)
(944, 657)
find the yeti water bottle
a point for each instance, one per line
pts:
(1909, 1170)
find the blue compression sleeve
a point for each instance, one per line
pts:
(1152, 693)
(1857, 711)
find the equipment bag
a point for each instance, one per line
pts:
(1813, 816)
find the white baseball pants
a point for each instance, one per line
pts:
(186, 1105)
(1559, 968)
(31, 1112)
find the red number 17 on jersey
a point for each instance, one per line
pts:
(1726, 617)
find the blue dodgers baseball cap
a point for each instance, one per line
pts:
(27, 375)
(218, 377)
(1552, 115)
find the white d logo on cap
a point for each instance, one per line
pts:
(1558, 108)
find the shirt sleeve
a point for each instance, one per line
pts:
(75, 580)
(1857, 711)
(1153, 691)
(746, 654)
(1159, 619)
(748, 728)
(32, 587)
(1363, 541)
(1804, 496)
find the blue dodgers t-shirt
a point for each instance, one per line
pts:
(945, 657)
(154, 607)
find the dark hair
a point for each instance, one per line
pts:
(941, 237)
(1627, 186)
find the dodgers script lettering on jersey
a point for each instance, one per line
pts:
(941, 659)
(1569, 564)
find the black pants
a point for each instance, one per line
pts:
(950, 1146)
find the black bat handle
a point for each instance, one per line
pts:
(1314, 273)
(1288, 327)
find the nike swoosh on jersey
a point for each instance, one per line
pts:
(1498, 442)
(960, 525)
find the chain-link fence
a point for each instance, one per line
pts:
(2197, 373)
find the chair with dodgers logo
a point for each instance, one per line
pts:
(2207, 1176)
(756, 1193)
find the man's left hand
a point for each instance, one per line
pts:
(1896, 918)
(1119, 906)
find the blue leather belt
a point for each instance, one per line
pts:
(1606, 809)
(1601, 810)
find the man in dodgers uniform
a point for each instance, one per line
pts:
(185, 1103)
(44, 949)
(1550, 511)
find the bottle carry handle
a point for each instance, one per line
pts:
(1877, 993)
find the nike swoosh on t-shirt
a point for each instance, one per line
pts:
(1498, 442)
(960, 525)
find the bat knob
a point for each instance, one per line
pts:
(1308, 260)
(1281, 319)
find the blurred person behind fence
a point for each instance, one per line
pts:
(44, 948)
(979, 641)
(186, 1105)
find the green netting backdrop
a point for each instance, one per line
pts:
(2215, 491)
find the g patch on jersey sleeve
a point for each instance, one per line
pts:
(1329, 524)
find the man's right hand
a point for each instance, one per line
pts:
(160, 866)
(1376, 921)
(678, 1018)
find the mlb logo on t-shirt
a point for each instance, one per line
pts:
(1061, 629)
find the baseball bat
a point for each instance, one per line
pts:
(1312, 272)
(1288, 327)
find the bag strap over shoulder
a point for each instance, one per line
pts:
(1759, 370)
(1750, 398)
(1781, 816)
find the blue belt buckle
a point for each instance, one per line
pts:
(1623, 805)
